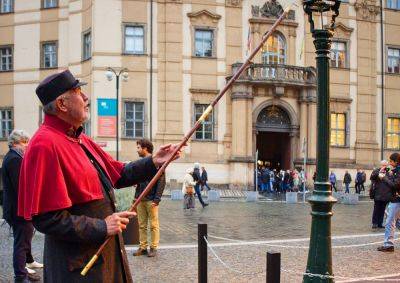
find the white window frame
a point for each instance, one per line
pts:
(335, 51)
(8, 57)
(393, 60)
(53, 62)
(202, 54)
(134, 120)
(86, 45)
(393, 4)
(208, 121)
(6, 6)
(135, 38)
(8, 120)
(266, 53)
(49, 4)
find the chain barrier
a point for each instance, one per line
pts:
(311, 275)
(226, 265)
(302, 247)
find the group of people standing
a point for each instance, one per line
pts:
(359, 181)
(192, 182)
(273, 181)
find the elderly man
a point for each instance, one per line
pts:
(66, 188)
(22, 230)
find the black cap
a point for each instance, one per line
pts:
(55, 85)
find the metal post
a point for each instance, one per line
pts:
(273, 267)
(202, 252)
(117, 123)
(320, 251)
(256, 170)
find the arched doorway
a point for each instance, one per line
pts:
(273, 139)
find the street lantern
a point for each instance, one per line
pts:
(320, 252)
(125, 76)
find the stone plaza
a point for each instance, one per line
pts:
(241, 233)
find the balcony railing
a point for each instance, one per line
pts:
(277, 74)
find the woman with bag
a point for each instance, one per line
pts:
(188, 189)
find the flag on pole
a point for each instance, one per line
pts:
(248, 47)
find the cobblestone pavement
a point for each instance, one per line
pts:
(241, 221)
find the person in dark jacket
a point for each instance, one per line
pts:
(66, 187)
(392, 180)
(381, 193)
(204, 179)
(197, 179)
(22, 229)
(358, 181)
(347, 181)
(147, 210)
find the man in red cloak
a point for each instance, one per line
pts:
(66, 188)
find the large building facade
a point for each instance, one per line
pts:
(179, 54)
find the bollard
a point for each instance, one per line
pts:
(202, 252)
(273, 267)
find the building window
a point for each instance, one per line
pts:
(206, 129)
(47, 4)
(6, 58)
(392, 133)
(393, 4)
(338, 129)
(134, 119)
(393, 60)
(274, 50)
(134, 39)
(6, 6)
(204, 42)
(5, 123)
(338, 54)
(87, 46)
(49, 55)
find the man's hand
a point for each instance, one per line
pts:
(164, 153)
(117, 222)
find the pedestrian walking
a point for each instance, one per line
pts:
(358, 181)
(22, 229)
(197, 179)
(332, 180)
(363, 180)
(381, 193)
(347, 181)
(392, 180)
(204, 179)
(66, 188)
(147, 209)
(188, 190)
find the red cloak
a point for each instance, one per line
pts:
(56, 172)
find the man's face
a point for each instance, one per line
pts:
(142, 151)
(77, 105)
(392, 163)
(22, 145)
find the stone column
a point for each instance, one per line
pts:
(241, 174)
(303, 121)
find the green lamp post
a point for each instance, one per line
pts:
(320, 252)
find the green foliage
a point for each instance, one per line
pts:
(124, 198)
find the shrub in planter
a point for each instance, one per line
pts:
(124, 198)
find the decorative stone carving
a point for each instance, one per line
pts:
(271, 9)
(233, 3)
(273, 116)
(366, 9)
(204, 14)
(342, 31)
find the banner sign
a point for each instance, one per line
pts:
(106, 113)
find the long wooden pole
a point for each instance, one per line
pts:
(186, 138)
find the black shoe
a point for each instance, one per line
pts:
(386, 249)
(152, 253)
(140, 252)
(204, 205)
(374, 226)
(381, 227)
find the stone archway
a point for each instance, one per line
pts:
(274, 136)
